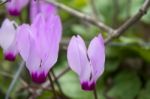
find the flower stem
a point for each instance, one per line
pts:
(15, 79)
(52, 85)
(57, 82)
(95, 93)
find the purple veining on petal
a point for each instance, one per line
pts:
(39, 78)
(14, 12)
(88, 87)
(10, 57)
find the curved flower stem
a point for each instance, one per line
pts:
(15, 79)
(57, 82)
(62, 73)
(95, 93)
(52, 85)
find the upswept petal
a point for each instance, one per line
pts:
(14, 7)
(89, 65)
(76, 55)
(43, 40)
(34, 64)
(53, 35)
(28, 49)
(7, 34)
(33, 9)
(47, 7)
(41, 6)
(8, 39)
(57, 28)
(23, 40)
(96, 53)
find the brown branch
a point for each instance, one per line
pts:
(113, 33)
(142, 11)
(82, 16)
(3, 2)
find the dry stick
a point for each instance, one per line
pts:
(82, 16)
(52, 85)
(142, 11)
(114, 33)
(3, 2)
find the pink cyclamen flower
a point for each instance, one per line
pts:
(41, 6)
(7, 39)
(14, 7)
(38, 45)
(88, 64)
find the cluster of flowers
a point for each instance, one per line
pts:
(38, 44)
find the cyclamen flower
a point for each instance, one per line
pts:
(41, 6)
(38, 45)
(14, 7)
(88, 64)
(7, 39)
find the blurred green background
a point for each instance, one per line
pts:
(127, 67)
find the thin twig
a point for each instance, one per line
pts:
(3, 2)
(52, 85)
(112, 33)
(16, 76)
(142, 11)
(82, 16)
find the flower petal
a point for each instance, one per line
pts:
(53, 36)
(38, 78)
(40, 34)
(15, 6)
(23, 40)
(88, 86)
(7, 40)
(96, 53)
(33, 64)
(29, 50)
(7, 34)
(11, 52)
(76, 54)
(41, 6)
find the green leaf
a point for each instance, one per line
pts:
(144, 94)
(111, 64)
(45, 95)
(126, 86)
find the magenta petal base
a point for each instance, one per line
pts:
(39, 78)
(88, 87)
(14, 12)
(10, 57)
